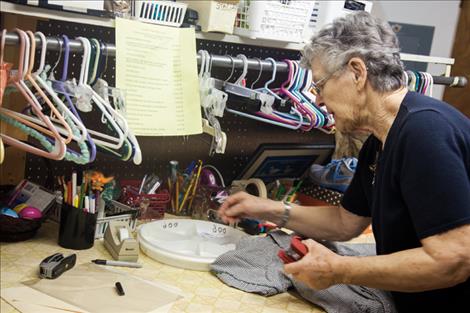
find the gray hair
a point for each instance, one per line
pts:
(359, 35)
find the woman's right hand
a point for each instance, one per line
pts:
(243, 205)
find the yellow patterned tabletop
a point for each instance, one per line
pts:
(203, 291)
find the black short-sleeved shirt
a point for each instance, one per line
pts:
(417, 186)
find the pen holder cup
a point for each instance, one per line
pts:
(77, 228)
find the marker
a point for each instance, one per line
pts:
(117, 263)
(119, 289)
(74, 185)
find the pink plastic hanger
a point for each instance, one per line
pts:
(59, 149)
(4, 68)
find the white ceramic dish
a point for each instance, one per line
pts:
(189, 244)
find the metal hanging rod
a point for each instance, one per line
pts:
(54, 43)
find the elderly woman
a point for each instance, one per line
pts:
(412, 180)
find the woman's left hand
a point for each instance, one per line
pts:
(318, 268)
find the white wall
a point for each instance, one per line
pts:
(443, 15)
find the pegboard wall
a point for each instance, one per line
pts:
(244, 135)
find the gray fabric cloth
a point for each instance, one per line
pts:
(255, 267)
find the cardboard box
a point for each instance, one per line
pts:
(215, 15)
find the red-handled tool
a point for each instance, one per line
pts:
(295, 252)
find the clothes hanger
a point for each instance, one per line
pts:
(213, 102)
(294, 117)
(56, 151)
(108, 113)
(252, 99)
(291, 123)
(265, 112)
(95, 44)
(299, 75)
(23, 118)
(2, 151)
(131, 147)
(411, 81)
(58, 116)
(405, 73)
(55, 98)
(303, 103)
(302, 80)
(78, 129)
(260, 64)
(60, 85)
(4, 68)
(431, 84)
(127, 150)
(284, 89)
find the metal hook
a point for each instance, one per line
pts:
(232, 62)
(259, 74)
(244, 71)
(105, 48)
(210, 62)
(58, 60)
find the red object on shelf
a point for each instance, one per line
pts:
(152, 206)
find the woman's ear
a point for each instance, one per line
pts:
(359, 69)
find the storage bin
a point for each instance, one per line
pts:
(159, 12)
(151, 206)
(282, 20)
(116, 211)
(324, 12)
(215, 15)
(18, 229)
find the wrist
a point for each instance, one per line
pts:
(341, 265)
(280, 213)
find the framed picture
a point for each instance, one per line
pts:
(275, 161)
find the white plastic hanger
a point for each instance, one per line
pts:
(107, 111)
(213, 102)
(267, 100)
(131, 140)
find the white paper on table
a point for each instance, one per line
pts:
(29, 300)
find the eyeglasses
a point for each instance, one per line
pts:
(316, 87)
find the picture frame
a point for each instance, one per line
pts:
(274, 161)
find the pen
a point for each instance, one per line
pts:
(117, 263)
(142, 184)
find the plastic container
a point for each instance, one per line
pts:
(185, 243)
(324, 12)
(282, 20)
(116, 211)
(151, 206)
(215, 15)
(159, 12)
(14, 229)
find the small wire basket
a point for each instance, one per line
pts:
(152, 206)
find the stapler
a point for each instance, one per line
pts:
(120, 243)
(54, 265)
(295, 252)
